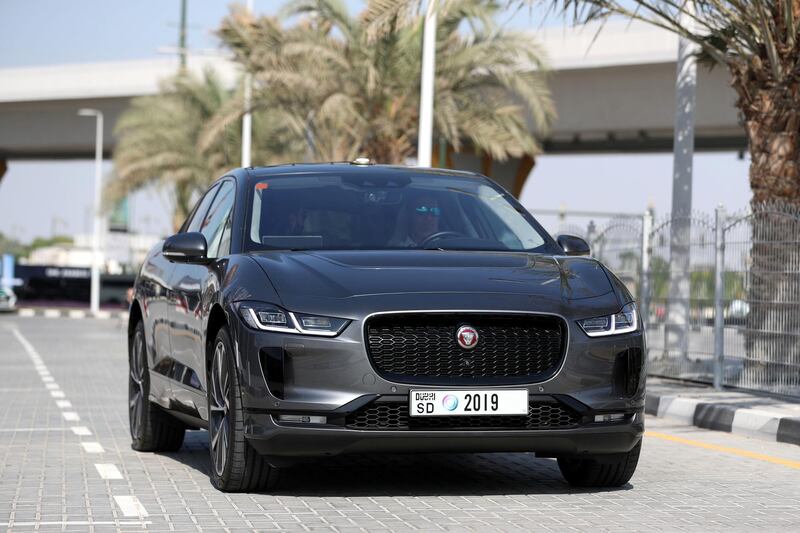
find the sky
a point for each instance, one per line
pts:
(40, 198)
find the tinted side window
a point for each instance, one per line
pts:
(200, 211)
(216, 220)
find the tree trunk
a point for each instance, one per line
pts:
(772, 337)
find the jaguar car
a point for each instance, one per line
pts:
(312, 310)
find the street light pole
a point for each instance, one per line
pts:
(247, 119)
(678, 306)
(98, 221)
(425, 135)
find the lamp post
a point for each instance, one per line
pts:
(98, 168)
(425, 134)
(247, 119)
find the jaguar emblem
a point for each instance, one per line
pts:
(467, 337)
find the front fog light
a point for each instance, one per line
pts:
(610, 417)
(303, 419)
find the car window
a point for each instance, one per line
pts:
(199, 213)
(216, 220)
(333, 211)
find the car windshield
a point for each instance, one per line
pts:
(379, 211)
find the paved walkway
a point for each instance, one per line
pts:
(66, 465)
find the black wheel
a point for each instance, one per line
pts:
(600, 472)
(235, 466)
(152, 430)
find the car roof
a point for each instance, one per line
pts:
(330, 168)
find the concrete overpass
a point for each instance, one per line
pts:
(616, 94)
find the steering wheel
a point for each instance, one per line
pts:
(438, 235)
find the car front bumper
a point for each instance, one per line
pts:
(285, 374)
(292, 441)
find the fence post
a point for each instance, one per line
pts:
(719, 294)
(644, 286)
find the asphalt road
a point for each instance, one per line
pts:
(66, 465)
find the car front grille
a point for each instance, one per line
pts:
(422, 347)
(394, 416)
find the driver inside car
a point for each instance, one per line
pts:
(423, 214)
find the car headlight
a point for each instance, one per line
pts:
(625, 321)
(270, 317)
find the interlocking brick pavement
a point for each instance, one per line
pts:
(49, 482)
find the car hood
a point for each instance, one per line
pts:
(299, 277)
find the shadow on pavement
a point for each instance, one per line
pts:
(407, 474)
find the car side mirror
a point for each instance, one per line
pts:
(573, 245)
(186, 248)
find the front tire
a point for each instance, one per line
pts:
(600, 472)
(152, 430)
(235, 465)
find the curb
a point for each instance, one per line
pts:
(28, 312)
(756, 423)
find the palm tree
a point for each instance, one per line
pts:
(158, 141)
(347, 94)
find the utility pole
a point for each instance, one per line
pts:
(182, 37)
(425, 134)
(94, 296)
(247, 119)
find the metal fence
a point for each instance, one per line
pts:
(720, 297)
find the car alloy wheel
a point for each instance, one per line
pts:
(137, 395)
(219, 407)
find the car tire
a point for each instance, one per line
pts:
(235, 465)
(605, 472)
(152, 430)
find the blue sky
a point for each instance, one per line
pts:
(41, 32)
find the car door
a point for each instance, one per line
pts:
(194, 286)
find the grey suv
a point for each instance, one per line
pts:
(313, 310)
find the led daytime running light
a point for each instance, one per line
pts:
(626, 321)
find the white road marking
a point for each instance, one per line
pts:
(57, 393)
(28, 347)
(76, 313)
(92, 447)
(108, 471)
(70, 416)
(130, 506)
(78, 523)
(48, 378)
(14, 430)
(81, 431)
(26, 312)
(64, 404)
(51, 386)
(52, 313)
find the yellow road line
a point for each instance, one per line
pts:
(725, 449)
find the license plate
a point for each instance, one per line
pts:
(468, 402)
